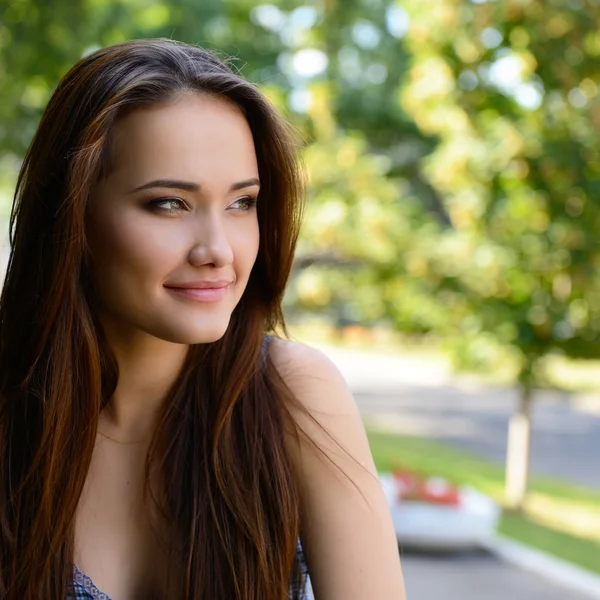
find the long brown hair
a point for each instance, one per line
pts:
(228, 491)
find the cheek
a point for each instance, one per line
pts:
(245, 246)
(130, 249)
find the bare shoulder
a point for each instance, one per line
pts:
(347, 531)
(324, 408)
(312, 377)
(295, 358)
(325, 411)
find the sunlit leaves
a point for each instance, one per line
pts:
(510, 94)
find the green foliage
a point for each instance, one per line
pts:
(508, 90)
(359, 232)
(39, 41)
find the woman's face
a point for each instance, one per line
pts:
(173, 229)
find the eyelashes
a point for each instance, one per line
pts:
(159, 205)
(176, 205)
(250, 202)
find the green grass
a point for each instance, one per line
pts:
(578, 550)
(560, 519)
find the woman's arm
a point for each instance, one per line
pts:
(350, 544)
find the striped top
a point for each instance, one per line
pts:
(84, 588)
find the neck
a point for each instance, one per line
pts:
(148, 367)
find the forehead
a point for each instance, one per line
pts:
(192, 137)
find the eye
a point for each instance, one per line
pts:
(244, 204)
(168, 205)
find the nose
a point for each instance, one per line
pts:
(211, 246)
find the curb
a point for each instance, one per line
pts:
(530, 559)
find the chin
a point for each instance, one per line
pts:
(202, 332)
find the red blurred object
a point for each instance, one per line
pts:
(412, 487)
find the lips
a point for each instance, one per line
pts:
(200, 284)
(200, 291)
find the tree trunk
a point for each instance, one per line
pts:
(518, 451)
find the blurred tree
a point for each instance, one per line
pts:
(39, 41)
(510, 90)
(361, 244)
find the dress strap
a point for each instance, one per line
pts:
(265, 347)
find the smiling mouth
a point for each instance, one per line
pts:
(203, 294)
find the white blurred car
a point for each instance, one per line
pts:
(433, 515)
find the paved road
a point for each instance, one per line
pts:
(565, 442)
(475, 577)
(418, 398)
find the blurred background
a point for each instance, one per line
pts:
(450, 252)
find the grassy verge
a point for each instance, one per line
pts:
(560, 519)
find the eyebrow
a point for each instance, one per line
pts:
(190, 186)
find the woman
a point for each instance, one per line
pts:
(153, 443)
